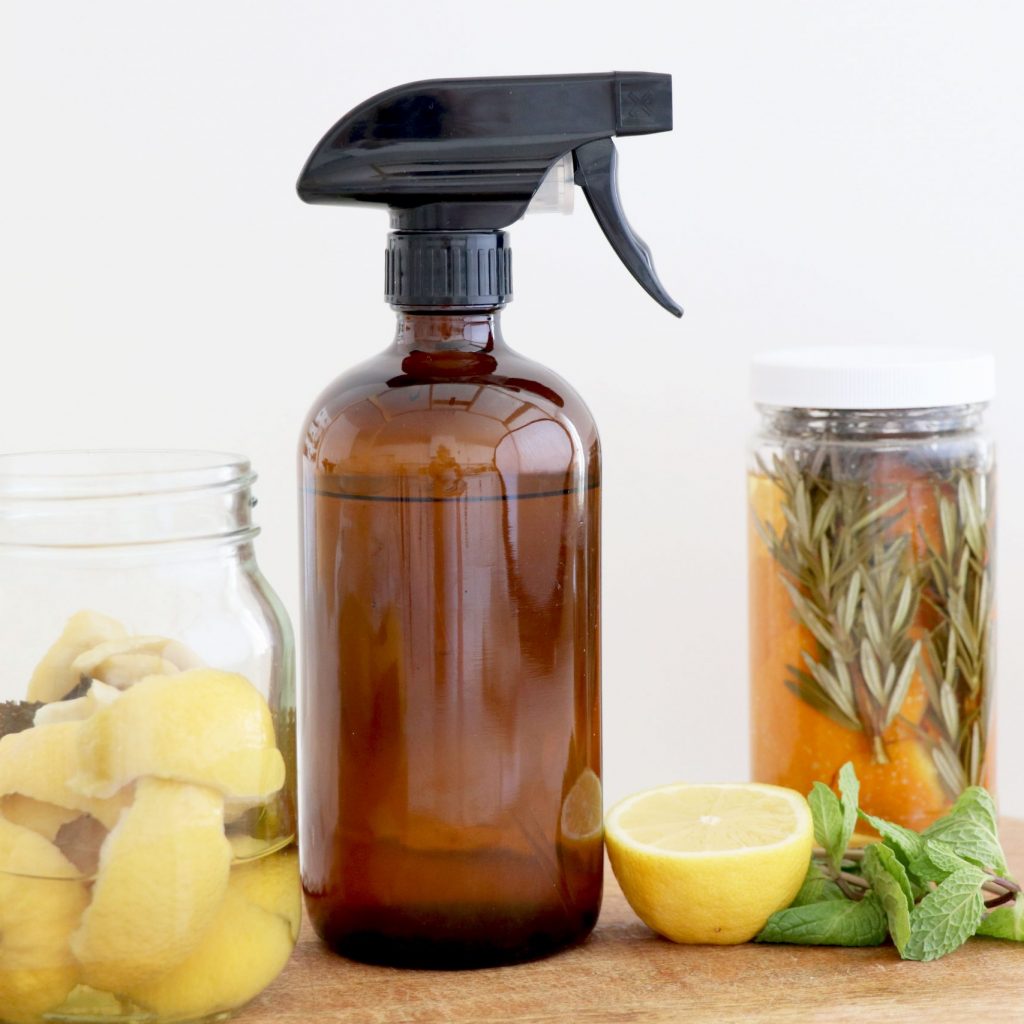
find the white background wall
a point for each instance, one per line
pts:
(839, 172)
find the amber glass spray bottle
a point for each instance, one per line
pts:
(450, 714)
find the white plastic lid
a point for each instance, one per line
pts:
(872, 378)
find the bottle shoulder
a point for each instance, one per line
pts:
(406, 412)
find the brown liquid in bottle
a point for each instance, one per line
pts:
(451, 723)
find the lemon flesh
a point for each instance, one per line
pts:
(41, 902)
(710, 863)
(202, 726)
(54, 676)
(162, 876)
(42, 762)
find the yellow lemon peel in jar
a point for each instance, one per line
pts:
(157, 760)
(203, 726)
(163, 872)
(43, 761)
(98, 696)
(44, 818)
(710, 863)
(54, 676)
(41, 903)
(272, 884)
(240, 954)
(123, 662)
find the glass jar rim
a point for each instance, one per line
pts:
(119, 472)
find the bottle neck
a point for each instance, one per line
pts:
(448, 270)
(449, 332)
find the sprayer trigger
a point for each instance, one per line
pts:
(596, 166)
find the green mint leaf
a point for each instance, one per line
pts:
(971, 829)
(829, 828)
(905, 843)
(946, 918)
(832, 923)
(888, 878)
(849, 789)
(1005, 922)
(818, 887)
(936, 862)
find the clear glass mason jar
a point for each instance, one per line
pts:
(147, 741)
(871, 489)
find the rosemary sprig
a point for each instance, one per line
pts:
(857, 586)
(955, 670)
(849, 584)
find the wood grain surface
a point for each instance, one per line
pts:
(626, 974)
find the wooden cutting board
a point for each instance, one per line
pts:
(625, 974)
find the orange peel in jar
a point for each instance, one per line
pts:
(203, 726)
(41, 903)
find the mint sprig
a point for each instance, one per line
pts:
(1005, 922)
(971, 829)
(890, 883)
(836, 923)
(835, 818)
(818, 887)
(929, 892)
(947, 917)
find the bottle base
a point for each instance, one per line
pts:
(432, 938)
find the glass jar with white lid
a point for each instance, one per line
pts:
(872, 533)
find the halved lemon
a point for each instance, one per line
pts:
(708, 863)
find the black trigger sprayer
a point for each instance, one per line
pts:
(457, 160)
(450, 725)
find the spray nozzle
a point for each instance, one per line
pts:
(457, 160)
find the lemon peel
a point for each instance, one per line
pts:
(710, 863)
(98, 696)
(242, 952)
(54, 677)
(44, 818)
(41, 902)
(42, 763)
(272, 884)
(163, 872)
(202, 726)
(122, 662)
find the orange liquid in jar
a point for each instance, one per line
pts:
(795, 743)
